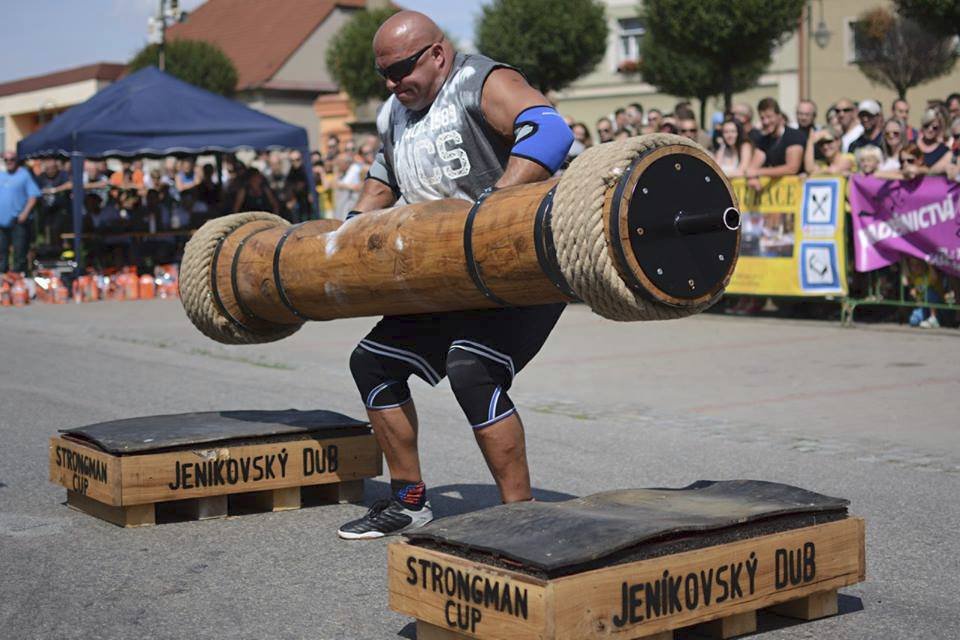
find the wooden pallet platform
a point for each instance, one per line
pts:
(717, 590)
(266, 474)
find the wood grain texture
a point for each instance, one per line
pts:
(140, 515)
(738, 624)
(815, 606)
(457, 595)
(590, 604)
(174, 475)
(404, 260)
(85, 470)
(449, 592)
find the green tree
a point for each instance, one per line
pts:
(198, 62)
(350, 56)
(690, 76)
(899, 53)
(553, 42)
(733, 36)
(939, 16)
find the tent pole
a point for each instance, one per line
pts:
(219, 156)
(76, 173)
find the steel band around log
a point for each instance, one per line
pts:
(641, 229)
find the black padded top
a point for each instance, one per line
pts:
(549, 536)
(151, 433)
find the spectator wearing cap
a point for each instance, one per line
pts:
(847, 119)
(780, 152)
(834, 162)
(18, 194)
(869, 113)
(931, 143)
(900, 109)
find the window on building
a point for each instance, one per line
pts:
(630, 33)
(3, 133)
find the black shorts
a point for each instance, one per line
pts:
(510, 336)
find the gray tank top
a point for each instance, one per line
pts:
(447, 150)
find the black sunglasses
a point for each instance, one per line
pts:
(401, 68)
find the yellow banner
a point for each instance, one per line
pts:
(791, 237)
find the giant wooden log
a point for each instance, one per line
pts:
(642, 229)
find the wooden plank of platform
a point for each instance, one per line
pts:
(180, 474)
(85, 470)
(650, 596)
(466, 598)
(738, 624)
(815, 606)
(138, 515)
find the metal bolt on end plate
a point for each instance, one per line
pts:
(659, 271)
(692, 283)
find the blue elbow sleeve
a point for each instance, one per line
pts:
(542, 136)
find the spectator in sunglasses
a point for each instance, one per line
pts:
(851, 129)
(688, 129)
(931, 143)
(456, 126)
(871, 118)
(604, 130)
(912, 165)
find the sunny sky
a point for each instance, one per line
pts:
(43, 36)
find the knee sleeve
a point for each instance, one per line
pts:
(382, 381)
(480, 385)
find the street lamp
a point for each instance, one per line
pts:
(821, 35)
(157, 26)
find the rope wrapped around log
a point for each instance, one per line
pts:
(251, 277)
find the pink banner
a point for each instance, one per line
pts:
(893, 218)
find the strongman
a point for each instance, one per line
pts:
(455, 126)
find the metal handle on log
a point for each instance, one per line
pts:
(610, 231)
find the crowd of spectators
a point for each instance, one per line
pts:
(141, 211)
(854, 137)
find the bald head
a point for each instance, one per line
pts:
(405, 33)
(414, 58)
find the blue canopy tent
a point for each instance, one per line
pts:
(150, 113)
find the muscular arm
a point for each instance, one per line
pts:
(375, 195)
(505, 95)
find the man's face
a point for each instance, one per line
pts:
(296, 159)
(806, 114)
(654, 118)
(688, 129)
(50, 167)
(868, 120)
(410, 72)
(769, 121)
(621, 119)
(634, 117)
(846, 113)
(901, 110)
(10, 161)
(605, 130)
(954, 108)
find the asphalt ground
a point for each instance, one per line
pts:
(868, 414)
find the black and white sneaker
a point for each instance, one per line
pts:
(385, 518)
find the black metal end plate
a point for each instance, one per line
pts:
(557, 536)
(152, 433)
(682, 266)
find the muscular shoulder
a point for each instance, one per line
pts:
(506, 94)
